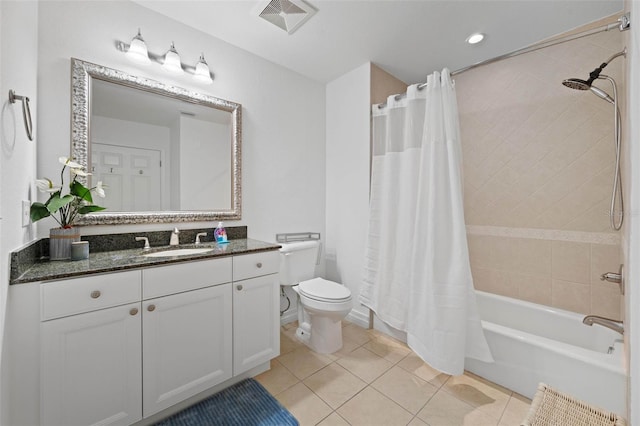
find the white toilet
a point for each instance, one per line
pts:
(322, 304)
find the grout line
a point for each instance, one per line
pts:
(439, 385)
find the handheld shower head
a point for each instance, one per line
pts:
(601, 94)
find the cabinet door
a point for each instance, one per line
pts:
(92, 368)
(256, 322)
(186, 340)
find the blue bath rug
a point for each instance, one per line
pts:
(244, 404)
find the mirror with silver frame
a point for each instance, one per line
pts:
(166, 154)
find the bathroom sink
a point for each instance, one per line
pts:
(178, 252)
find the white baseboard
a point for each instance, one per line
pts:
(289, 316)
(358, 318)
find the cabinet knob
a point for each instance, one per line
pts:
(133, 311)
(259, 264)
(95, 294)
(151, 308)
(239, 287)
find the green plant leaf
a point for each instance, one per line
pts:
(38, 211)
(89, 209)
(55, 203)
(79, 190)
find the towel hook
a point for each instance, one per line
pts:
(26, 112)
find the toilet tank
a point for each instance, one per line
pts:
(298, 261)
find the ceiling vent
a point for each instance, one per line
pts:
(288, 15)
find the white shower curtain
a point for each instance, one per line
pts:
(417, 271)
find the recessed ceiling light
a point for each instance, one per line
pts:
(475, 38)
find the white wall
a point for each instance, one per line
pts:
(205, 155)
(348, 139)
(283, 158)
(631, 152)
(174, 164)
(19, 61)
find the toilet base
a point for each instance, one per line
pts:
(323, 335)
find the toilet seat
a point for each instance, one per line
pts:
(323, 290)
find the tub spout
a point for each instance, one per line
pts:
(605, 322)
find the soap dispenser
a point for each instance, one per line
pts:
(220, 234)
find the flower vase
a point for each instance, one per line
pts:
(60, 240)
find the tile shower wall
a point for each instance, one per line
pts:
(540, 157)
(563, 274)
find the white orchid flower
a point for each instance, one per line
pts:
(45, 185)
(79, 171)
(68, 161)
(100, 190)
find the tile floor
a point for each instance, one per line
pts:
(376, 380)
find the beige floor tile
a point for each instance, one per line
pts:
(289, 343)
(516, 411)
(334, 384)
(302, 362)
(388, 348)
(348, 346)
(305, 406)
(370, 407)
(445, 409)
(333, 419)
(277, 379)
(488, 397)
(406, 389)
(365, 364)
(355, 333)
(415, 365)
(417, 422)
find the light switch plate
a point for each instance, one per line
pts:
(26, 218)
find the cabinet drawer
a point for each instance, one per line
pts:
(255, 265)
(176, 278)
(77, 295)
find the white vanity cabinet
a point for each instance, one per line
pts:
(91, 361)
(120, 347)
(256, 321)
(187, 337)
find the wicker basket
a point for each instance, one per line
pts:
(553, 408)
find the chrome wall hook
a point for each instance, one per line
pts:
(26, 112)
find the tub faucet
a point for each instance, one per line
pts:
(605, 322)
(174, 241)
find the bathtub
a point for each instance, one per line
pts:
(534, 343)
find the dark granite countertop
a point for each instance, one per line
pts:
(119, 260)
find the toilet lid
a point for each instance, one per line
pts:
(324, 290)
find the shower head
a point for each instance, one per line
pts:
(601, 94)
(576, 83)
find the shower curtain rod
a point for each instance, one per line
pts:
(622, 23)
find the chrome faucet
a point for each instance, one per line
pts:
(175, 240)
(200, 234)
(146, 242)
(605, 322)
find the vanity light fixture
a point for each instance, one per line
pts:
(137, 50)
(170, 61)
(475, 38)
(202, 72)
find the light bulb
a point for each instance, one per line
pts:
(172, 62)
(202, 72)
(137, 51)
(475, 38)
